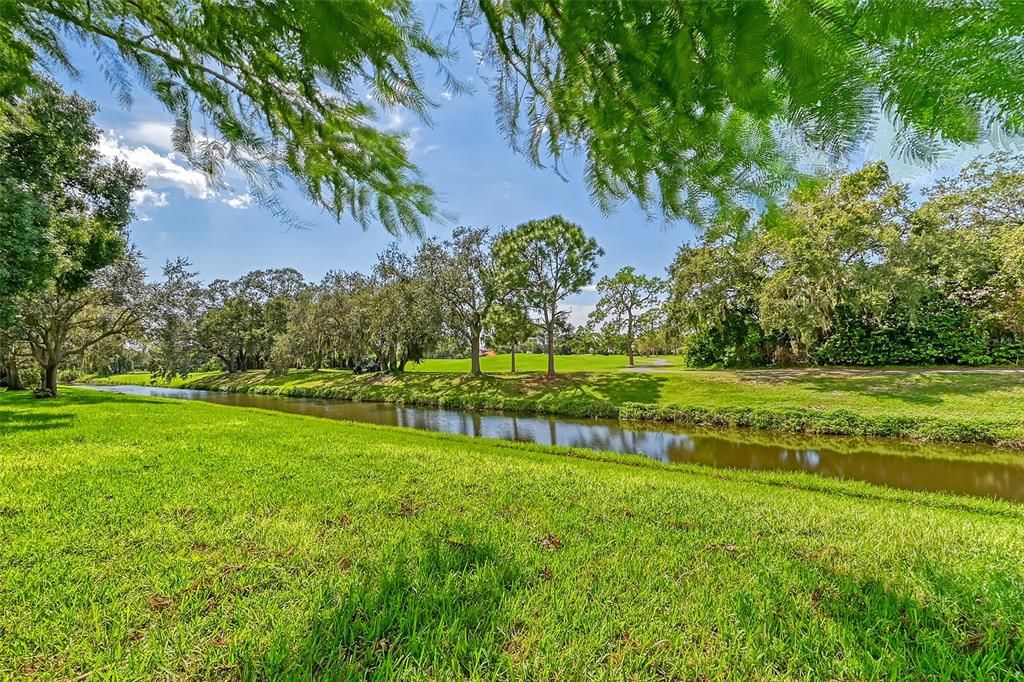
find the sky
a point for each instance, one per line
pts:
(462, 155)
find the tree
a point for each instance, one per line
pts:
(404, 311)
(10, 367)
(510, 326)
(59, 323)
(62, 211)
(627, 305)
(173, 323)
(346, 310)
(281, 83)
(461, 271)
(840, 240)
(848, 271)
(677, 104)
(972, 226)
(544, 261)
(243, 318)
(304, 342)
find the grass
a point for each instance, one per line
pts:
(986, 408)
(144, 537)
(538, 362)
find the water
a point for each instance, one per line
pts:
(968, 470)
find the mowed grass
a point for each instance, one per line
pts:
(538, 362)
(969, 406)
(146, 538)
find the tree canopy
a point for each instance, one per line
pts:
(850, 271)
(686, 107)
(63, 211)
(542, 262)
(628, 307)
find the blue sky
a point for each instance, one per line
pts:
(462, 155)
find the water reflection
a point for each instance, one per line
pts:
(959, 469)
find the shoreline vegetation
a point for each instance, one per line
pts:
(919, 406)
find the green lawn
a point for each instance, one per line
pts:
(965, 407)
(538, 362)
(144, 538)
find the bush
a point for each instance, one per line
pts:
(941, 332)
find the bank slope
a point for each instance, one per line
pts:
(145, 536)
(967, 408)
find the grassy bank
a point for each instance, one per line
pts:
(538, 362)
(969, 408)
(143, 537)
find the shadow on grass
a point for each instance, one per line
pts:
(914, 388)
(21, 411)
(441, 611)
(11, 423)
(953, 634)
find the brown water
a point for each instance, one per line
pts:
(968, 470)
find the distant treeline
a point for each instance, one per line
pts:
(851, 271)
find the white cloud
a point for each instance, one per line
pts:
(412, 138)
(240, 201)
(447, 95)
(578, 313)
(155, 134)
(590, 287)
(146, 198)
(161, 171)
(396, 120)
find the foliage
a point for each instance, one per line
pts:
(280, 85)
(172, 325)
(713, 306)
(510, 326)
(58, 323)
(405, 318)
(680, 105)
(63, 211)
(688, 108)
(841, 240)
(461, 272)
(628, 306)
(543, 261)
(851, 272)
(243, 318)
(939, 332)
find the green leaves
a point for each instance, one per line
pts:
(850, 272)
(543, 261)
(64, 212)
(680, 104)
(547, 259)
(275, 89)
(684, 106)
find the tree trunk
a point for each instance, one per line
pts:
(629, 340)
(13, 375)
(551, 349)
(513, 358)
(50, 378)
(474, 351)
